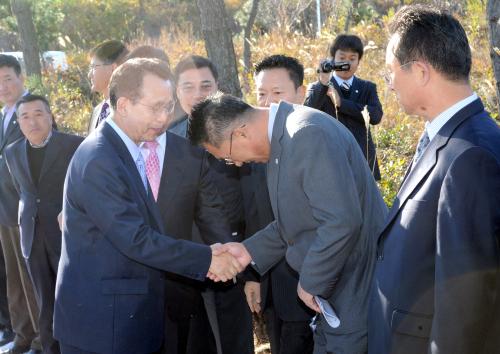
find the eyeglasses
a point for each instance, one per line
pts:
(228, 160)
(168, 107)
(387, 75)
(93, 67)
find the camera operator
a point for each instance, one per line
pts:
(344, 96)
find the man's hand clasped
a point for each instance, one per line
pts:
(228, 260)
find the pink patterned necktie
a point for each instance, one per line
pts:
(153, 167)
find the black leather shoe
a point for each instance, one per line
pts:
(6, 336)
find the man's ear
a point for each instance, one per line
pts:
(423, 71)
(122, 106)
(241, 131)
(301, 93)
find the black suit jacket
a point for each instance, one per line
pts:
(227, 180)
(281, 280)
(362, 93)
(188, 194)
(40, 205)
(9, 198)
(110, 286)
(436, 285)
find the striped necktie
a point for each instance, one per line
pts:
(345, 86)
(153, 167)
(422, 145)
(141, 167)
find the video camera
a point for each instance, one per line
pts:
(329, 65)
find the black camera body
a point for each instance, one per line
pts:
(329, 65)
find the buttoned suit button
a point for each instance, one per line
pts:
(290, 242)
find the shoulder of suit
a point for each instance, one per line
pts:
(13, 147)
(184, 144)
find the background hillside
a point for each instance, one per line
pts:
(281, 26)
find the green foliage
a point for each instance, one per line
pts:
(80, 24)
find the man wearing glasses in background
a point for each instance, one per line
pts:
(105, 58)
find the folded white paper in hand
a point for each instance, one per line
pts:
(328, 313)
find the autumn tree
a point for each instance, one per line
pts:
(219, 44)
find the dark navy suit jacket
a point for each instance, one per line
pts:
(362, 93)
(111, 283)
(9, 198)
(40, 206)
(436, 286)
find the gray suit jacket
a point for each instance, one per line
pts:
(41, 202)
(328, 211)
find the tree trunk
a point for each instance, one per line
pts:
(493, 13)
(22, 10)
(348, 18)
(247, 53)
(219, 44)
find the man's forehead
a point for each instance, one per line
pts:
(391, 48)
(346, 52)
(6, 71)
(276, 77)
(162, 89)
(196, 75)
(32, 106)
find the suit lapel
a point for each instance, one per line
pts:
(131, 169)
(10, 130)
(172, 174)
(273, 165)
(429, 159)
(355, 89)
(24, 162)
(51, 154)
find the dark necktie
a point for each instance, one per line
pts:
(345, 88)
(422, 144)
(104, 113)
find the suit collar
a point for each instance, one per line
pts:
(173, 171)
(10, 130)
(430, 156)
(284, 109)
(121, 149)
(51, 153)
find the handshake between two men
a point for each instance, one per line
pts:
(228, 260)
(232, 258)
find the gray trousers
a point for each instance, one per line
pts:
(349, 343)
(23, 308)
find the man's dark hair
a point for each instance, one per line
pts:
(110, 52)
(294, 68)
(434, 36)
(194, 62)
(127, 80)
(347, 42)
(148, 51)
(211, 118)
(10, 62)
(31, 98)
